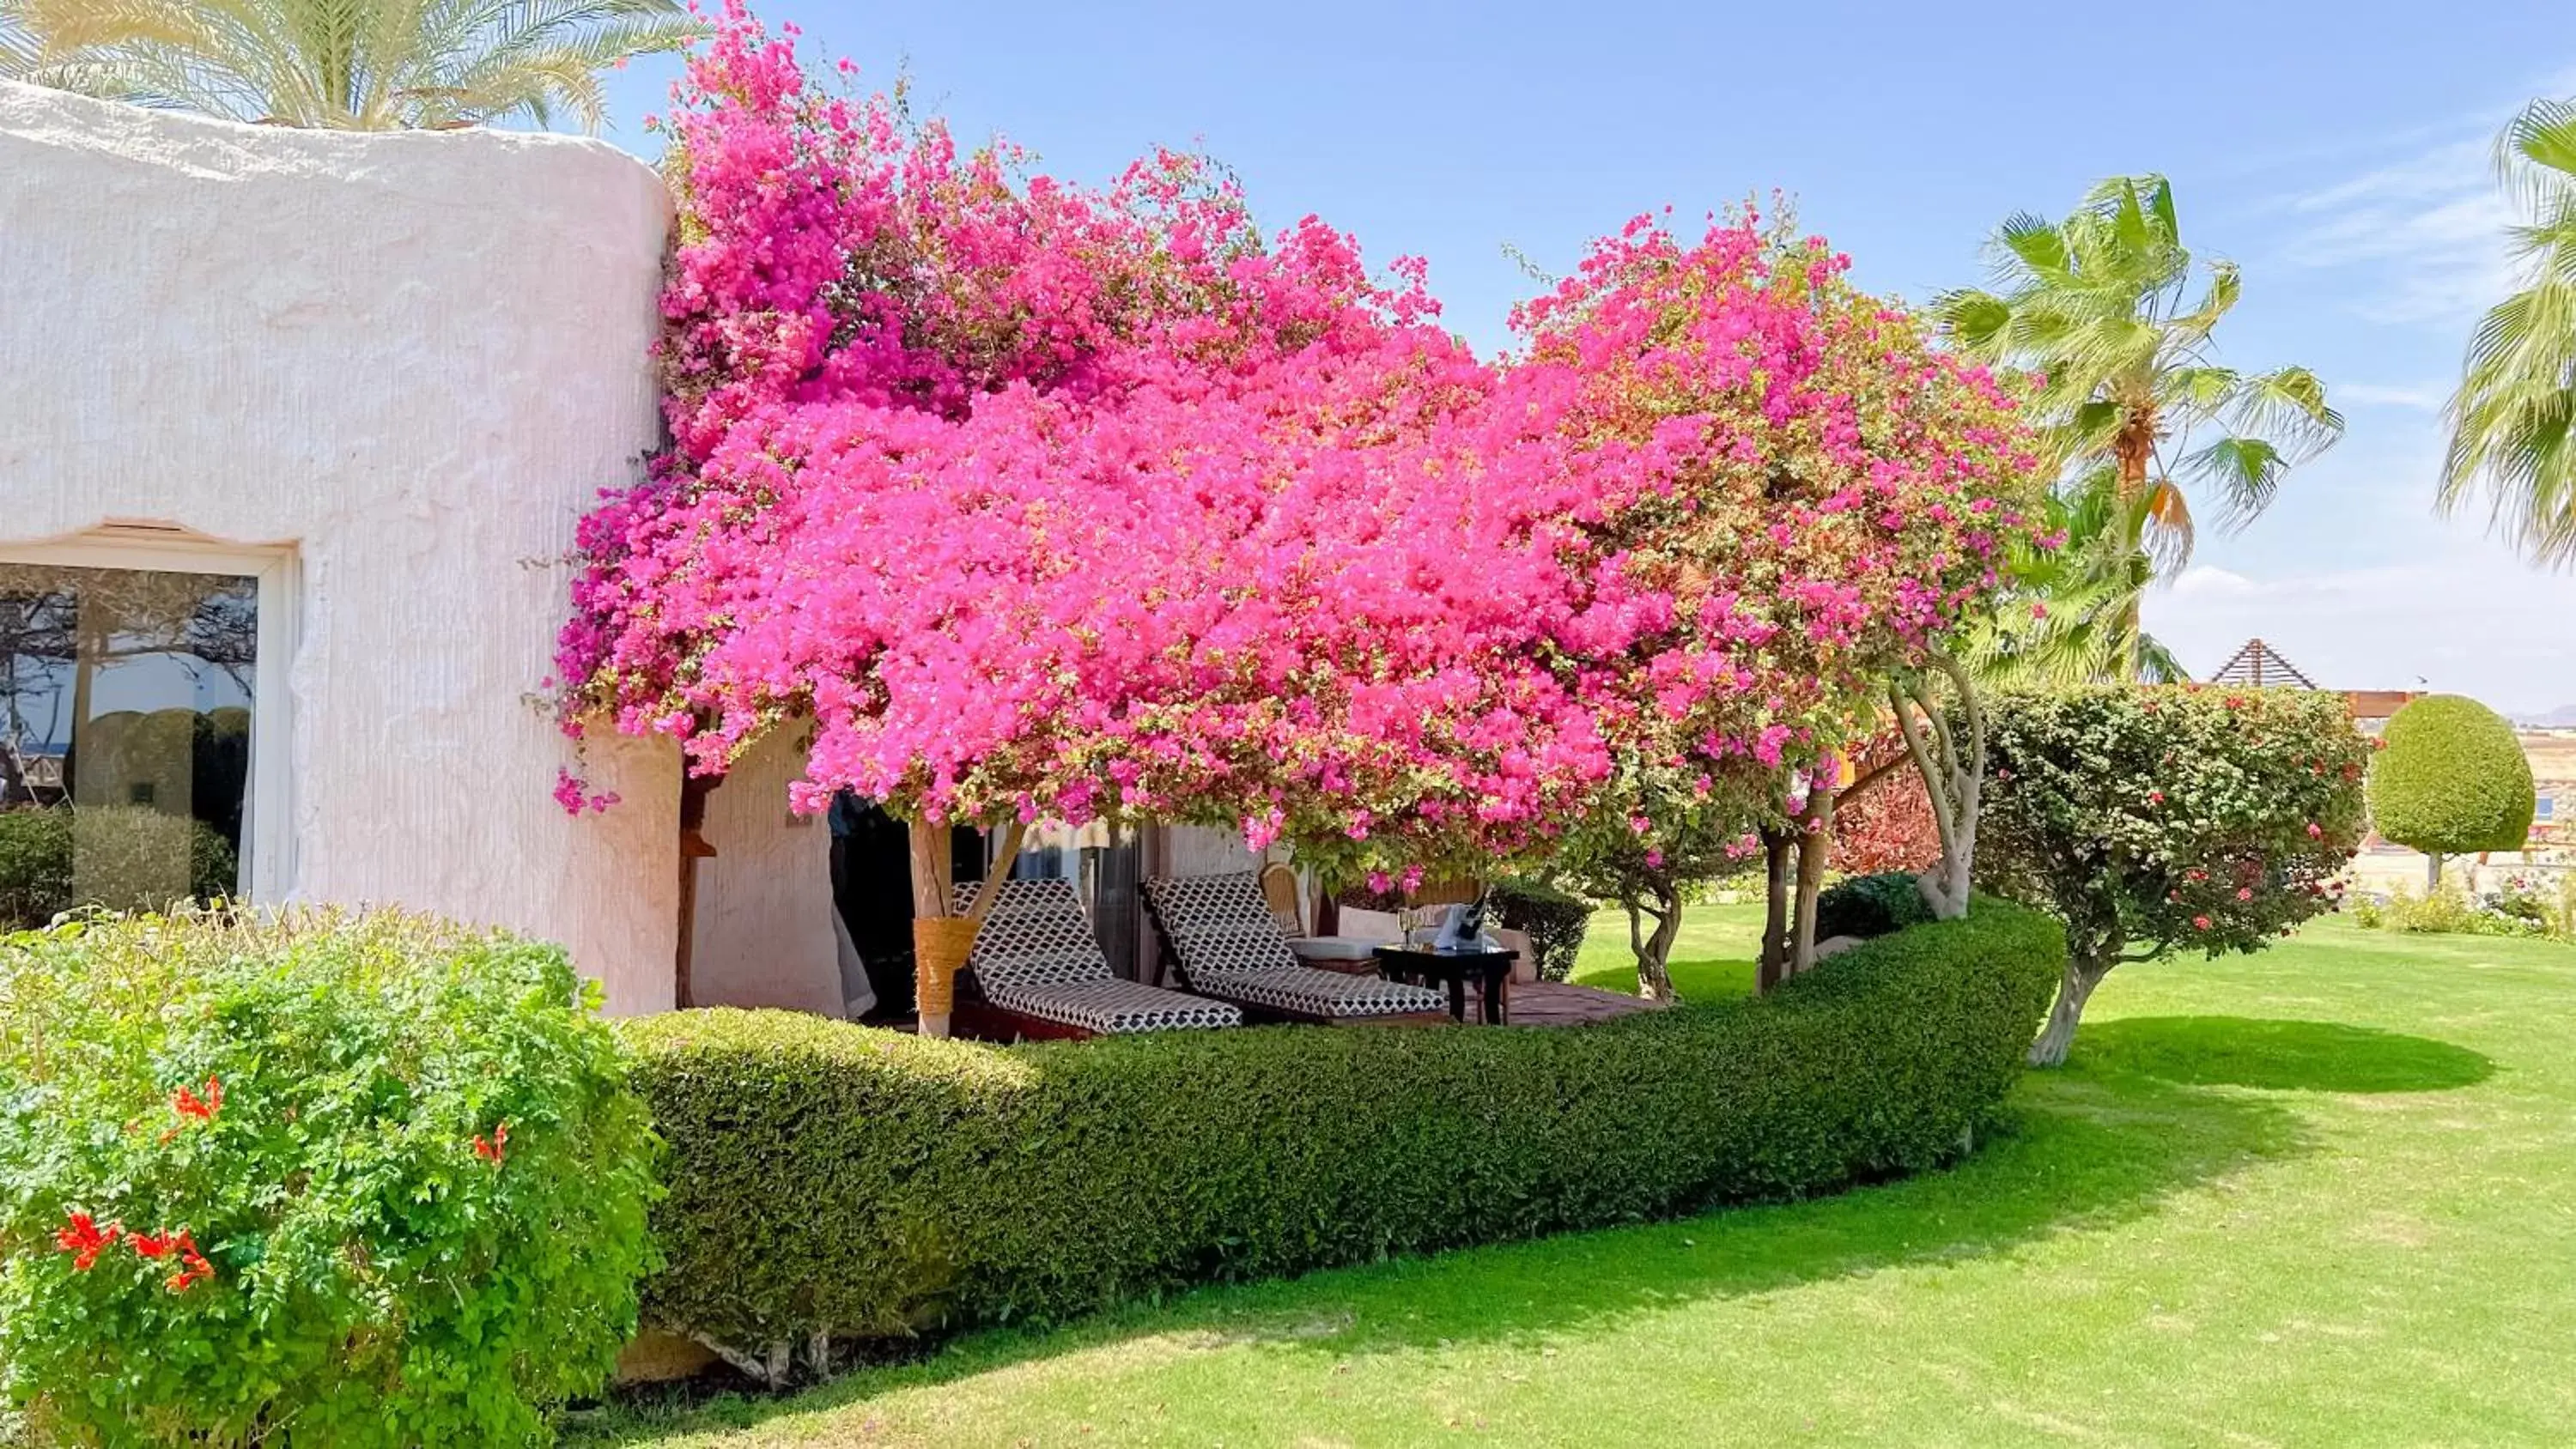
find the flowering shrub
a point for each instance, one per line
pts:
(325, 1180)
(2162, 819)
(1050, 502)
(1791, 493)
(2444, 910)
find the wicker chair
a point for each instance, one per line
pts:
(1037, 971)
(1219, 932)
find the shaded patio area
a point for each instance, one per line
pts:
(1562, 1003)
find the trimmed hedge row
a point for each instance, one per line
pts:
(825, 1177)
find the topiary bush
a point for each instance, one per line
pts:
(1871, 905)
(827, 1177)
(1553, 919)
(323, 1180)
(35, 865)
(2163, 819)
(2451, 779)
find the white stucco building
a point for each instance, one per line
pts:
(295, 427)
(380, 376)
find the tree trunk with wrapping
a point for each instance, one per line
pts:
(942, 937)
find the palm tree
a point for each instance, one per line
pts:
(2131, 402)
(2512, 419)
(358, 65)
(2081, 618)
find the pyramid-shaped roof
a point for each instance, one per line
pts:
(2261, 666)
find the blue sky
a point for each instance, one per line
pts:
(2338, 152)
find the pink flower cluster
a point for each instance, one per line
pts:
(1053, 501)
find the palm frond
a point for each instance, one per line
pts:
(2033, 246)
(2289, 406)
(365, 64)
(2513, 420)
(1976, 321)
(2166, 528)
(2157, 664)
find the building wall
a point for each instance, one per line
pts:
(1205, 850)
(763, 913)
(414, 359)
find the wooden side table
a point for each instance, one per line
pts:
(1491, 970)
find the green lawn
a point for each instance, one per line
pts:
(2322, 1196)
(1713, 955)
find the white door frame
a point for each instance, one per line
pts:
(268, 827)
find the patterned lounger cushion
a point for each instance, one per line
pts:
(1229, 946)
(1036, 955)
(1114, 1006)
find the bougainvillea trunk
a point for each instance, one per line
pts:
(943, 937)
(1779, 885)
(1952, 762)
(1654, 948)
(1815, 849)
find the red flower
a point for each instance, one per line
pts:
(84, 1239)
(2155, 797)
(2244, 893)
(2200, 923)
(189, 1104)
(2315, 831)
(495, 1147)
(193, 1267)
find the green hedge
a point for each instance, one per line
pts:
(1553, 919)
(831, 1177)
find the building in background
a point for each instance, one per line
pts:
(2383, 866)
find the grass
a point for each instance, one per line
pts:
(2324, 1195)
(1713, 955)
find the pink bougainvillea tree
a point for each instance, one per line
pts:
(1046, 502)
(1832, 497)
(1039, 501)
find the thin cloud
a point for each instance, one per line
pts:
(2420, 236)
(2425, 397)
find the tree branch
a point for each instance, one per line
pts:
(1012, 834)
(1935, 781)
(1976, 712)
